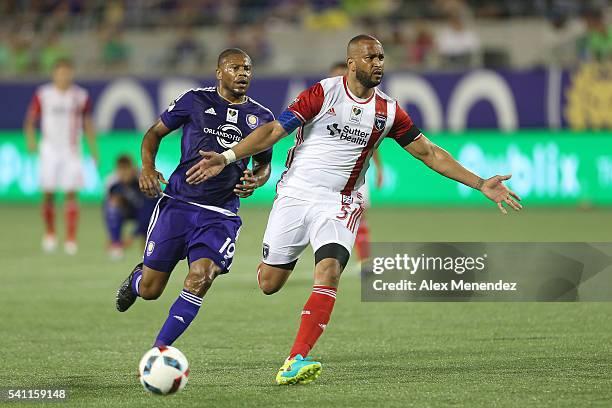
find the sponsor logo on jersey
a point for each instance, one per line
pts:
(356, 113)
(349, 134)
(265, 251)
(252, 120)
(227, 135)
(232, 115)
(150, 247)
(380, 121)
(210, 111)
(331, 111)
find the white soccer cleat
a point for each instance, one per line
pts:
(71, 248)
(49, 243)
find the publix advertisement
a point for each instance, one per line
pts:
(560, 168)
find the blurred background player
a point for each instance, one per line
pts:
(125, 202)
(200, 222)
(64, 111)
(362, 241)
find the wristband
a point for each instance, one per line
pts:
(229, 155)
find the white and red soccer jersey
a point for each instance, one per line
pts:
(61, 116)
(336, 139)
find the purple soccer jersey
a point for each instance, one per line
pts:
(181, 226)
(211, 123)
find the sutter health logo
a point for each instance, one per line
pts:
(227, 135)
(348, 133)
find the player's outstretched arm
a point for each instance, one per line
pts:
(257, 141)
(442, 162)
(149, 177)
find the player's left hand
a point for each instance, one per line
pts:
(495, 190)
(211, 164)
(249, 183)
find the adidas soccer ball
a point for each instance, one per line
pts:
(163, 370)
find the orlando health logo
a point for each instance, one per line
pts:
(228, 135)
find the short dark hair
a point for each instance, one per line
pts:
(124, 160)
(228, 52)
(63, 62)
(360, 37)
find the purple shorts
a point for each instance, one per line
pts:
(180, 230)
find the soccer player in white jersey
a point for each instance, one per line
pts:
(340, 122)
(362, 239)
(64, 111)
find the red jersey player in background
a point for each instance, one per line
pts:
(362, 241)
(64, 111)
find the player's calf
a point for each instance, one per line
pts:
(152, 284)
(201, 275)
(141, 282)
(330, 261)
(271, 278)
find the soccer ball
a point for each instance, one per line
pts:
(163, 370)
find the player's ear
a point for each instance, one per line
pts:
(350, 64)
(218, 74)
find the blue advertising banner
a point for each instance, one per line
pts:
(505, 100)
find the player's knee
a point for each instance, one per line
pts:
(328, 272)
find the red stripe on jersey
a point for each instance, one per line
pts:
(87, 107)
(348, 93)
(299, 139)
(380, 110)
(348, 222)
(355, 219)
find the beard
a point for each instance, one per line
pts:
(366, 80)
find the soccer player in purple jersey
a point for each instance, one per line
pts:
(197, 222)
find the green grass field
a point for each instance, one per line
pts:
(60, 328)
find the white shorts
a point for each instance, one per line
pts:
(60, 171)
(294, 223)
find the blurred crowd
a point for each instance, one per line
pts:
(420, 34)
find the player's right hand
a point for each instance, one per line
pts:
(211, 164)
(149, 182)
